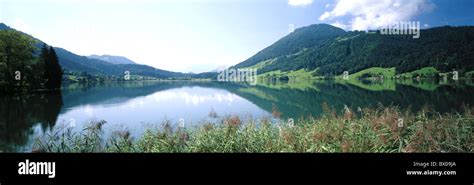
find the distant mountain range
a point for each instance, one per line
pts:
(113, 59)
(328, 50)
(323, 49)
(103, 65)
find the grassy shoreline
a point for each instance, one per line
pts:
(380, 130)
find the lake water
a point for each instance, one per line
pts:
(139, 105)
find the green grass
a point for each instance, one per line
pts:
(302, 79)
(389, 75)
(293, 75)
(364, 130)
(426, 72)
(299, 79)
(375, 71)
(262, 64)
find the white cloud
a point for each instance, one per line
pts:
(341, 25)
(291, 28)
(372, 14)
(300, 2)
(325, 16)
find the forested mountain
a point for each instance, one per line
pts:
(76, 63)
(333, 51)
(301, 38)
(324, 48)
(113, 59)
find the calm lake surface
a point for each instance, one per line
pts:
(137, 106)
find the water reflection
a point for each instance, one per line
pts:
(134, 104)
(19, 115)
(171, 102)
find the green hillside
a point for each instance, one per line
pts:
(426, 72)
(374, 72)
(332, 51)
(301, 38)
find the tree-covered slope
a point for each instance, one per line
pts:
(301, 38)
(445, 48)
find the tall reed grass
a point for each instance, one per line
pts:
(364, 130)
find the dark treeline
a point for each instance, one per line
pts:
(24, 68)
(19, 115)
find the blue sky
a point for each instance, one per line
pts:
(201, 35)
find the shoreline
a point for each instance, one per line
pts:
(380, 130)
